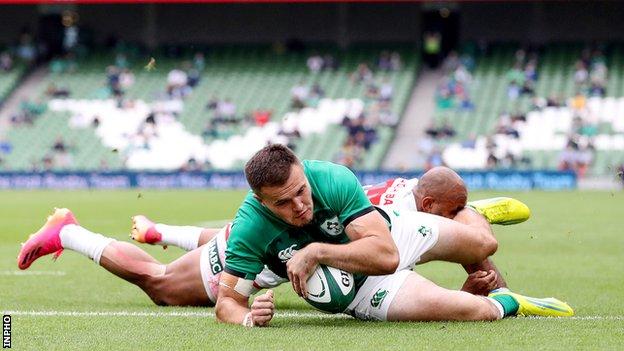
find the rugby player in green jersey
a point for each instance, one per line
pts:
(302, 214)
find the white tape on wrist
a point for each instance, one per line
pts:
(248, 321)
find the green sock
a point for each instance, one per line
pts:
(510, 305)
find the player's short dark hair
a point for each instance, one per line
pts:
(270, 167)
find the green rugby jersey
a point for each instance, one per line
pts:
(259, 238)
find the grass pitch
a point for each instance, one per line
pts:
(571, 248)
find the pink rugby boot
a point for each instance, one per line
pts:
(47, 239)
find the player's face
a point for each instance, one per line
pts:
(448, 209)
(292, 202)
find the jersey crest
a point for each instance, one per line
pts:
(332, 226)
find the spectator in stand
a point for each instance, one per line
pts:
(444, 99)
(191, 166)
(6, 62)
(5, 147)
(126, 79)
(578, 102)
(386, 91)
(505, 126)
(315, 63)
(362, 74)
(584, 160)
(121, 61)
(372, 91)
(432, 48)
(553, 101)
(446, 130)
(300, 91)
(226, 111)
(568, 157)
(330, 63)
(317, 92)
(620, 174)
(177, 84)
(451, 63)
(199, 61)
(53, 91)
(26, 49)
(261, 116)
(384, 61)
(581, 75)
(113, 80)
(387, 117)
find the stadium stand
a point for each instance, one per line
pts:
(110, 110)
(553, 122)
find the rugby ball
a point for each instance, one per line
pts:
(330, 289)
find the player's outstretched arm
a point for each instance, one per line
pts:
(232, 306)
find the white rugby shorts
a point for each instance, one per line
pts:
(414, 233)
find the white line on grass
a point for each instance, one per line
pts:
(193, 314)
(22, 273)
(158, 314)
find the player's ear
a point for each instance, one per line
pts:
(427, 204)
(259, 199)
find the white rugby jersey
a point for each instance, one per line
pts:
(393, 193)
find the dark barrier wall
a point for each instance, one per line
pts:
(508, 180)
(342, 23)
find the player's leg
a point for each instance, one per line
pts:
(185, 237)
(422, 237)
(520, 213)
(125, 260)
(181, 284)
(419, 299)
(407, 296)
(467, 239)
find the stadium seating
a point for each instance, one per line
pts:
(544, 135)
(253, 78)
(8, 80)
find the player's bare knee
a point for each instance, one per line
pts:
(490, 246)
(482, 249)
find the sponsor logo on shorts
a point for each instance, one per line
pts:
(287, 253)
(332, 226)
(215, 262)
(378, 298)
(424, 230)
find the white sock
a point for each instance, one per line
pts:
(184, 237)
(498, 305)
(81, 240)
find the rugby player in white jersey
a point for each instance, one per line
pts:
(193, 278)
